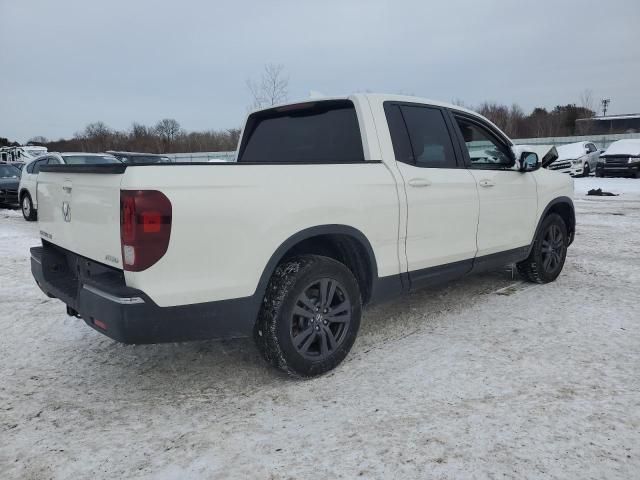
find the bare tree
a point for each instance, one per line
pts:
(586, 100)
(37, 140)
(168, 129)
(271, 89)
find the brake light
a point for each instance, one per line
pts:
(145, 228)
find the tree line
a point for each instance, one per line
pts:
(558, 122)
(166, 136)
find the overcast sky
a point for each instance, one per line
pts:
(66, 63)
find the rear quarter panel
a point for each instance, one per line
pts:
(228, 220)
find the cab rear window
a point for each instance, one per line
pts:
(316, 132)
(89, 159)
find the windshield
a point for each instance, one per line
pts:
(89, 159)
(9, 171)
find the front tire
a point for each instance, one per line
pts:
(310, 316)
(548, 253)
(28, 212)
(586, 170)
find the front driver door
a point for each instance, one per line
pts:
(508, 198)
(442, 198)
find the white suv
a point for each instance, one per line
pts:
(29, 180)
(577, 159)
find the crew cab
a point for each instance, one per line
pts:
(29, 179)
(331, 205)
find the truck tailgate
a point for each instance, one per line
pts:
(81, 213)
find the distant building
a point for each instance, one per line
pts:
(629, 123)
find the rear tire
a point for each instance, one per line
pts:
(28, 211)
(310, 316)
(548, 253)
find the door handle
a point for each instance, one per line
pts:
(486, 183)
(419, 182)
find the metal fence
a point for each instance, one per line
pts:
(601, 141)
(202, 157)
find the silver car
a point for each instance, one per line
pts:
(577, 159)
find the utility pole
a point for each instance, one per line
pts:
(605, 103)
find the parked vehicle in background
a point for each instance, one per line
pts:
(135, 158)
(29, 180)
(9, 181)
(332, 204)
(621, 159)
(21, 154)
(578, 159)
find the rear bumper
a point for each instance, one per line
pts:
(9, 197)
(97, 294)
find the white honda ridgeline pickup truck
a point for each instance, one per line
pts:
(332, 204)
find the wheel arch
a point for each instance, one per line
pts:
(343, 243)
(25, 191)
(563, 206)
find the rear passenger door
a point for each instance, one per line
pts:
(442, 198)
(508, 198)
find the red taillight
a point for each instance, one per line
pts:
(145, 227)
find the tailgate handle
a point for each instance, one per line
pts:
(66, 186)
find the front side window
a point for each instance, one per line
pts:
(485, 150)
(317, 132)
(420, 136)
(591, 148)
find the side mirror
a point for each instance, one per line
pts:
(528, 162)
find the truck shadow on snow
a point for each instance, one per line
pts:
(238, 366)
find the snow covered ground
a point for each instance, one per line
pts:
(484, 378)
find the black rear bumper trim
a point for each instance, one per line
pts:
(128, 315)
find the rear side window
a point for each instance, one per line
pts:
(321, 132)
(36, 165)
(429, 143)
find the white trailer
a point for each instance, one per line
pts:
(21, 154)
